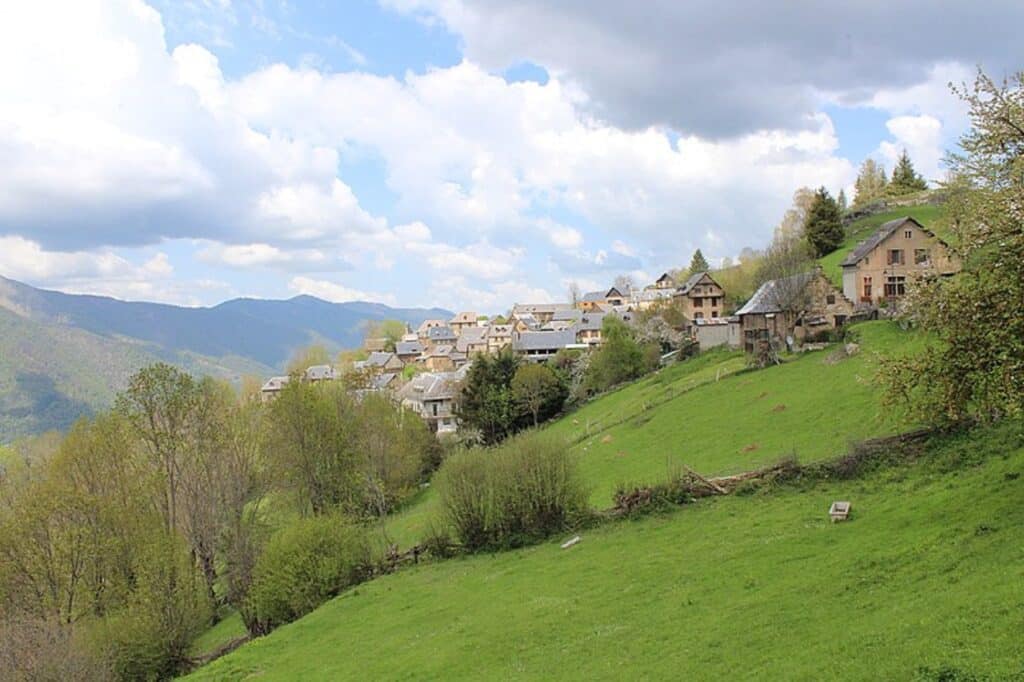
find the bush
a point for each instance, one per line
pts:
(304, 565)
(524, 491)
(150, 637)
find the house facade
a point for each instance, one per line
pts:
(498, 336)
(701, 297)
(792, 307)
(879, 269)
(462, 321)
(432, 396)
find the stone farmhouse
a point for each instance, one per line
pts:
(792, 308)
(701, 297)
(878, 270)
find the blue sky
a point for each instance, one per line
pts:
(468, 154)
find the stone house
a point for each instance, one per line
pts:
(588, 329)
(432, 396)
(472, 341)
(498, 336)
(701, 297)
(541, 346)
(409, 351)
(792, 307)
(422, 332)
(272, 387)
(462, 321)
(879, 269)
(439, 336)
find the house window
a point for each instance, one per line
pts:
(698, 303)
(830, 299)
(698, 316)
(909, 234)
(896, 257)
(434, 406)
(714, 313)
(895, 286)
(714, 302)
(922, 256)
(867, 288)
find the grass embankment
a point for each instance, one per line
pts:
(926, 579)
(708, 415)
(932, 216)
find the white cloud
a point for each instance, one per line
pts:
(921, 137)
(565, 237)
(338, 293)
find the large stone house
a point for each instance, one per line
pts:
(498, 336)
(432, 396)
(879, 269)
(408, 351)
(588, 328)
(472, 341)
(792, 307)
(381, 362)
(439, 336)
(541, 346)
(462, 321)
(423, 331)
(701, 297)
(601, 300)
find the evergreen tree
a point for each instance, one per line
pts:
(824, 226)
(486, 401)
(870, 184)
(698, 263)
(906, 180)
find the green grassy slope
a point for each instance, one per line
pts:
(927, 578)
(931, 216)
(708, 415)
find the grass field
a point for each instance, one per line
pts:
(708, 415)
(926, 581)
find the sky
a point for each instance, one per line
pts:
(468, 154)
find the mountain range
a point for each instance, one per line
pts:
(63, 356)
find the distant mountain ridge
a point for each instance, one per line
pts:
(65, 355)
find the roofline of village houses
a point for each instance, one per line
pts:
(442, 350)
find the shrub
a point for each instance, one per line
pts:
(524, 491)
(304, 565)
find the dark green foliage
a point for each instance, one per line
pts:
(824, 226)
(538, 390)
(486, 402)
(698, 263)
(525, 490)
(304, 565)
(620, 358)
(905, 180)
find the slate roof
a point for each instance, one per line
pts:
(275, 384)
(378, 358)
(590, 322)
(320, 373)
(431, 386)
(408, 348)
(471, 336)
(382, 381)
(429, 324)
(879, 236)
(765, 299)
(593, 296)
(570, 315)
(499, 330)
(444, 333)
(533, 308)
(692, 280)
(527, 341)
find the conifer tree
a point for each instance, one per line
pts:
(906, 180)
(698, 263)
(842, 202)
(824, 226)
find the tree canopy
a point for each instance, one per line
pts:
(905, 179)
(976, 370)
(871, 183)
(698, 263)
(824, 226)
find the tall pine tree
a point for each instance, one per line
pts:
(906, 180)
(824, 226)
(698, 263)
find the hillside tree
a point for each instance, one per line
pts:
(537, 389)
(823, 228)
(905, 179)
(842, 201)
(976, 370)
(485, 401)
(870, 184)
(698, 263)
(304, 358)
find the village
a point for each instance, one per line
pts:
(423, 369)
